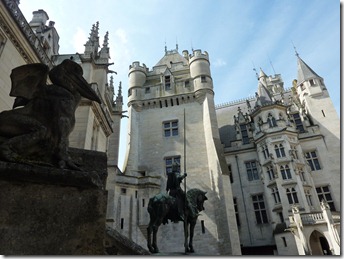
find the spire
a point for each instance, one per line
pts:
(304, 72)
(91, 46)
(105, 51)
(119, 99)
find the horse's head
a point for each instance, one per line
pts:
(200, 200)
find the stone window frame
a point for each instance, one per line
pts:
(259, 209)
(285, 172)
(279, 150)
(170, 128)
(276, 195)
(169, 161)
(324, 193)
(313, 160)
(252, 171)
(292, 195)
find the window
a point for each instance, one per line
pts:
(298, 122)
(276, 195)
(236, 211)
(312, 160)
(285, 172)
(272, 121)
(292, 196)
(265, 151)
(308, 197)
(203, 80)
(169, 161)
(170, 128)
(122, 223)
(270, 172)
(167, 82)
(123, 191)
(244, 134)
(143, 202)
(259, 209)
(325, 194)
(187, 83)
(252, 172)
(230, 173)
(279, 149)
(284, 241)
(147, 90)
(312, 82)
(280, 214)
(203, 226)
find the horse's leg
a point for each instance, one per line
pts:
(192, 228)
(149, 234)
(155, 231)
(186, 234)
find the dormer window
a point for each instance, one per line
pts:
(167, 82)
(312, 82)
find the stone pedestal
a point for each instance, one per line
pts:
(49, 211)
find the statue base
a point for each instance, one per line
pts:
(51, 211)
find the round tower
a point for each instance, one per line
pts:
(137, 77)
(200, 70)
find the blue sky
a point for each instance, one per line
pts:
(239, 35)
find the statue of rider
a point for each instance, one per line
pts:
(174, 180)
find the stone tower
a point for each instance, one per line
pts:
(172, 101)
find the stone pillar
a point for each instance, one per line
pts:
(299, 227)
(51, 211)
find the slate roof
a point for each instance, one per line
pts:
(304, 72)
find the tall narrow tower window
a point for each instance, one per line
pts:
(244, 134)
(298, 122)
(170, 128)
(167, 82)
(259, 209)
(252, 172)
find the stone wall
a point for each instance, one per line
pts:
(50, 211)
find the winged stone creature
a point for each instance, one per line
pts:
(36, 130)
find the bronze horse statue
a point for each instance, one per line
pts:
(162, 208)
(36, 130)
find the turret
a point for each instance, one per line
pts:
(200, 70)
(137, 77)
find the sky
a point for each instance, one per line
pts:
(239, 35)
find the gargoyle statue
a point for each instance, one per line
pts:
(36, 130)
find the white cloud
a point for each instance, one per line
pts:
(219, 63)
(122, 35)
(79, 40)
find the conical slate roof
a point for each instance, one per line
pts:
(304, 72)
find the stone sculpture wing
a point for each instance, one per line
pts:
(27, 79)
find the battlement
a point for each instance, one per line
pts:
(197, 53)
(136, 66)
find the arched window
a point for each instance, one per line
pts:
(285, 172)
(276, 195)
(279, 149)
(270, 172)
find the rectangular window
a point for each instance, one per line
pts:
(298, 122)
(167, 82)
(143, 202)
(187, 83)
(169, 161)
(325, 194)
(122, 223)
(259, 209)
(244, 134)
(312, 82)
(147, 90)
(230, 173)
(276, 195)
(292, 196)
(203, 226)
(123, 191)
(252, 172)
(170, 128)
(284, 241)
(203, 80)
(312, 160)
(236, 211)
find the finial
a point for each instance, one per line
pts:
(296, 53)
(165, 47)
(120, 88)
(106, 39)
(271, 64)
(255, 70)
(177, 44)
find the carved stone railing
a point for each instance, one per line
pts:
(19, 18)
(312, 218)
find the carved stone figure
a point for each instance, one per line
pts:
(36, 130)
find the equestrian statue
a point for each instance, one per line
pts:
(177, 206)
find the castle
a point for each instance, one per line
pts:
(270, 164)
